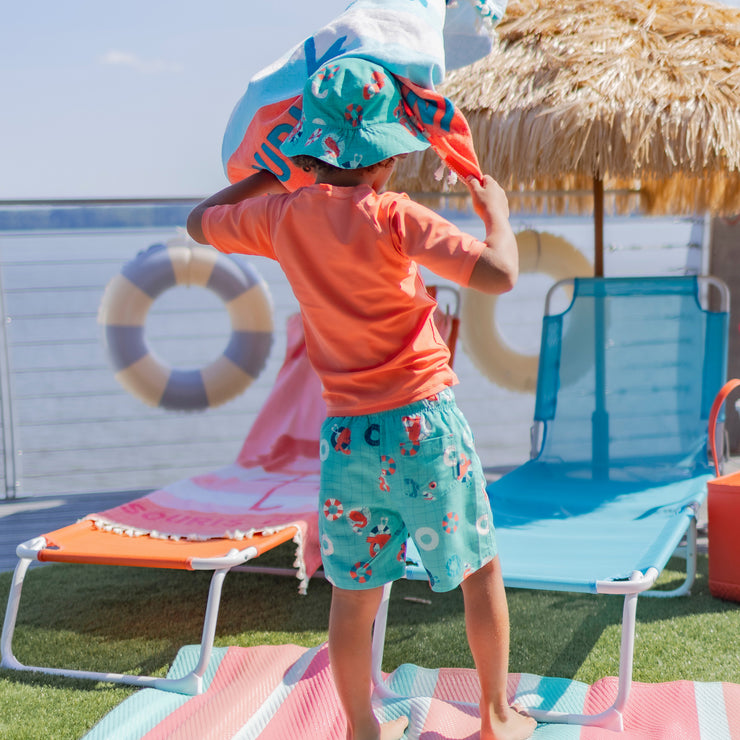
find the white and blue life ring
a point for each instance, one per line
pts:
(126, 303)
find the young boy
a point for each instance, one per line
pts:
(397, 455)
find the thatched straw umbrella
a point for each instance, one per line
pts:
(638, 97)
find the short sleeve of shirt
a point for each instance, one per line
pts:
(433, 241)
(244, 228)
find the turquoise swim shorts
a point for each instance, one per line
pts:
(409, 470)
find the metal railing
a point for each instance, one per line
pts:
(67, 425)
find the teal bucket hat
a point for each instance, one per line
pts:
(353, 116)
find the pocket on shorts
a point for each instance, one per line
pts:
(427, 448)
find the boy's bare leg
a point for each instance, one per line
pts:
(487, 625)
(350, 653)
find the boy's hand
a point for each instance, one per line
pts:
(489, 200)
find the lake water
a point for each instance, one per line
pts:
(72, 428)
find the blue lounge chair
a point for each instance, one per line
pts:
(627, 376)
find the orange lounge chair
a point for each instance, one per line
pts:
(83, 542)
(214, 522)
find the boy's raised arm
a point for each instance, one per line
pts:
(497, 269)
(260, 183)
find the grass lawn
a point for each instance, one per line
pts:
(135, 620)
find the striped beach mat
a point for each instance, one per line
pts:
(278, 692)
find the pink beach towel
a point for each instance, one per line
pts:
(273, 484)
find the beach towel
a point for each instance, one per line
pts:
(415, 40)
(278, 692)
(273, 484)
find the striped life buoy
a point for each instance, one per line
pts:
(126, 303)
(538, 252)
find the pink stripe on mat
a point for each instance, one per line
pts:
(313, 706)
(243, 682)
(664, 711)
(457, 685)
(731, 694)
(446, 721)
(449, 720)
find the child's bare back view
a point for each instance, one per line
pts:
(397, 455)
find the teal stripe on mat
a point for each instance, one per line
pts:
(412, 680)
(143, 711)
(409, 680)
(558, 694)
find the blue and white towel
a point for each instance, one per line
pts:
(415, 40)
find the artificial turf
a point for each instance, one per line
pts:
(108, 618)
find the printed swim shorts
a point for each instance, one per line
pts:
(409, 470)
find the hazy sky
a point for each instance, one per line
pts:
(131, 99)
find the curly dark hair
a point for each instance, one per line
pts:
(314, 164)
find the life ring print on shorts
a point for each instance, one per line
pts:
(125, 306)
(361, 572)
(388, 465)
(333, 509)
(450, 522)
(327, 546)
(426, 538)
(483, 524)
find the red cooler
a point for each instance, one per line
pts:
(724, 517)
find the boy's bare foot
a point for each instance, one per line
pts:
(392, 730)
(512, 725)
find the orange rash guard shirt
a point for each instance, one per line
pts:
(352, 258)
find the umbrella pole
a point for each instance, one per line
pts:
(600, 417)
(598, 227)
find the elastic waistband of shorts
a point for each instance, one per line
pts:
(440, 400)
